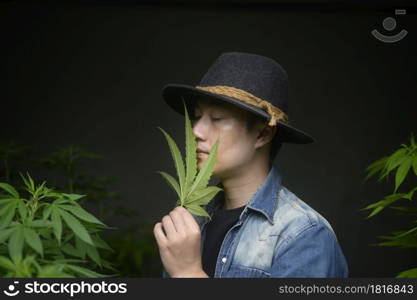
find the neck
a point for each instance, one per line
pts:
(240, 187)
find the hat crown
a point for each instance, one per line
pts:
(259, 75)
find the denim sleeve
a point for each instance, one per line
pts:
(314, 252)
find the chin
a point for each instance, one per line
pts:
(200, 164)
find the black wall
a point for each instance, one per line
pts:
(91, 76)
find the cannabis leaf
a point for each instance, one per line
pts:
(191, 187)
(39, 232)
(401, 163)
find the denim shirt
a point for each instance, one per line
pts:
(276, 235)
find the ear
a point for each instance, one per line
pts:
(265, 135)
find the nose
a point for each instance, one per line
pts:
(200, 129)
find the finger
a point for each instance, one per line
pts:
(178, 220)
(190, 223)
(159, 234)
(169, 227)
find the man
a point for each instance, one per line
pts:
(259, 228)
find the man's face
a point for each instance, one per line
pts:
(214, 120)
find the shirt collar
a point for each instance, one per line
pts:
(264, 200)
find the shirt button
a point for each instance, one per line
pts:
(224, 259)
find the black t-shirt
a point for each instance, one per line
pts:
(216, 229)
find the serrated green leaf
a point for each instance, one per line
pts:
(408, 241)
(47, 211)
(374, 212)
(386, 201)
(76, 226)
(61, 200)
(7, 204)
(82, 214)
(7, 214)
(191, 183)
(40, 189)
(405, 210)
(8, 188)
(24, 180)
(21, 207)
(73, 197)
(410, 194)
(69, 260)
(402, 172)
(30, 185)
(411, 273)
(415, 164)
(6, 263)
(16, 244)
(6, 200)
(190, 150)
(408, 232)
(85, 272)
(375, 167)
(203, 196)
(393, 161)
(108, 265)
(53, 271)
(380, 205)
(80, 246)
(33, 240)
(413, 141)
(205, 173)
(70, 250)
(5, 233)
(198, 211)
(100, 243)
(179, 163)
(92, 252)
(56, 223)
(172, 182)
(395, 158)
(40, 223)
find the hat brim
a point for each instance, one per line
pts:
(173, 94)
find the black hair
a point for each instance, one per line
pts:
(276, 142)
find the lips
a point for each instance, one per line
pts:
(201, 151)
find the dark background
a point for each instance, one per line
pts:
(91, 75)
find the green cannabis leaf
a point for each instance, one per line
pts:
(402, 163)
(48, 234)
(191, 187)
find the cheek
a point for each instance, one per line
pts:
(234, 148)
(236, 152)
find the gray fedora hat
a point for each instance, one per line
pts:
(252, 82)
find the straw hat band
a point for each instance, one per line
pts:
(275, 113)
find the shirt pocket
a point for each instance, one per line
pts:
(240, 271)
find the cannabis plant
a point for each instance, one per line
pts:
(48, 234)
(402, 162)
(135, 253)
(191, 187)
